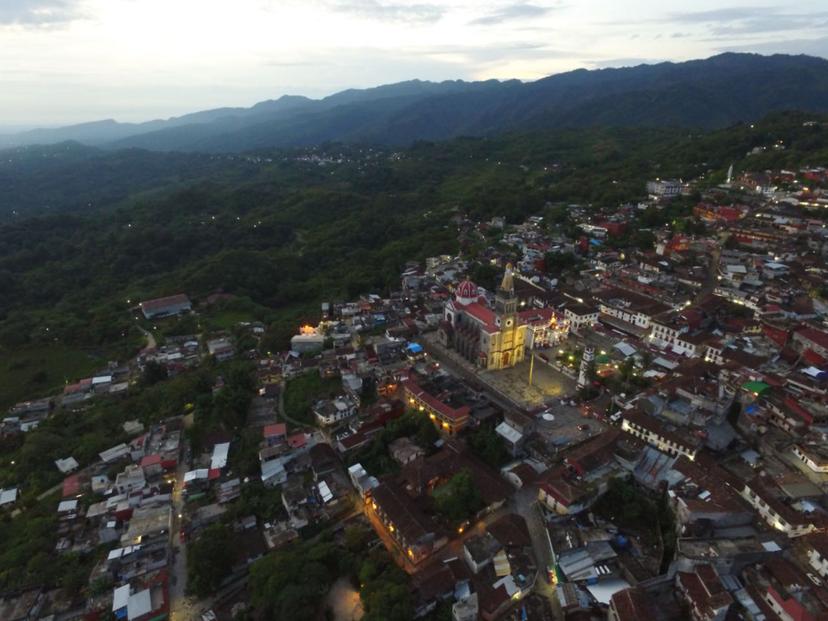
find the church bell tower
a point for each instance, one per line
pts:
(505, 300)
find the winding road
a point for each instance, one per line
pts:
(151, 342)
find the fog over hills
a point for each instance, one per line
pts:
(709, 93)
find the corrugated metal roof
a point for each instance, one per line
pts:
(219, 459)
(120, 597)
(139, 604)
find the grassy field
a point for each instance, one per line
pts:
(302, 391)
(31, 372)
(227, 319)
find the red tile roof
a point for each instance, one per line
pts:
(433, 402)
(704, 589)
(71, 486)
(815, 336)
(593, 453)
(297, 440)
(539, 315)
(632, 605)
(277, 429)
(150, 460)
(160, 303)
(483, 314)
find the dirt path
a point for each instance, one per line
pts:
(151, 342)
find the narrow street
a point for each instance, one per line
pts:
(712, 276)
(525, 504)
(182, 608)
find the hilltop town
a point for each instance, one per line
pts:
(616, 412)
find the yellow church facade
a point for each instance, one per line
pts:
(492, 339)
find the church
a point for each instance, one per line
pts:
(489, 338)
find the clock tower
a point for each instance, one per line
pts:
(508, 344)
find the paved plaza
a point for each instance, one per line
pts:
(547, 383)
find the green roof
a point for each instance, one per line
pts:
(756, 387)
(602, 359)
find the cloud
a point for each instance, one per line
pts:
(612, 63)
(497, 52)
(391, 12)
(512, 12)
(37, 12)
(812, 47)
(717, 15)
(736, 21)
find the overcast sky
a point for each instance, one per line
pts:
(65, 61)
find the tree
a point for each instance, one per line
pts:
(458, 499)
(210, 559)
(485, 275)
(384, 590)
(488, 446)
(291, 582)
(558, 262)
(355, 537)
(368, 394)
(154, 372)
(733, 412)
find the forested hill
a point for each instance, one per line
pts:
(71, 176)
(292, 228)
(710, 93)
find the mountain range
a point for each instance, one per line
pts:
(704, 94)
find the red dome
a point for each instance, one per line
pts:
(467, 290)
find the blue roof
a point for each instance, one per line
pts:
(414, 348)
(596, 242)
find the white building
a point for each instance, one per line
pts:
(664, 188)
(580, 316)
(653, 433)
(775, 513)
(816, 547)
(813, 456)
(329, 412)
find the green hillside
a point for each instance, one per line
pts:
(290, 232)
